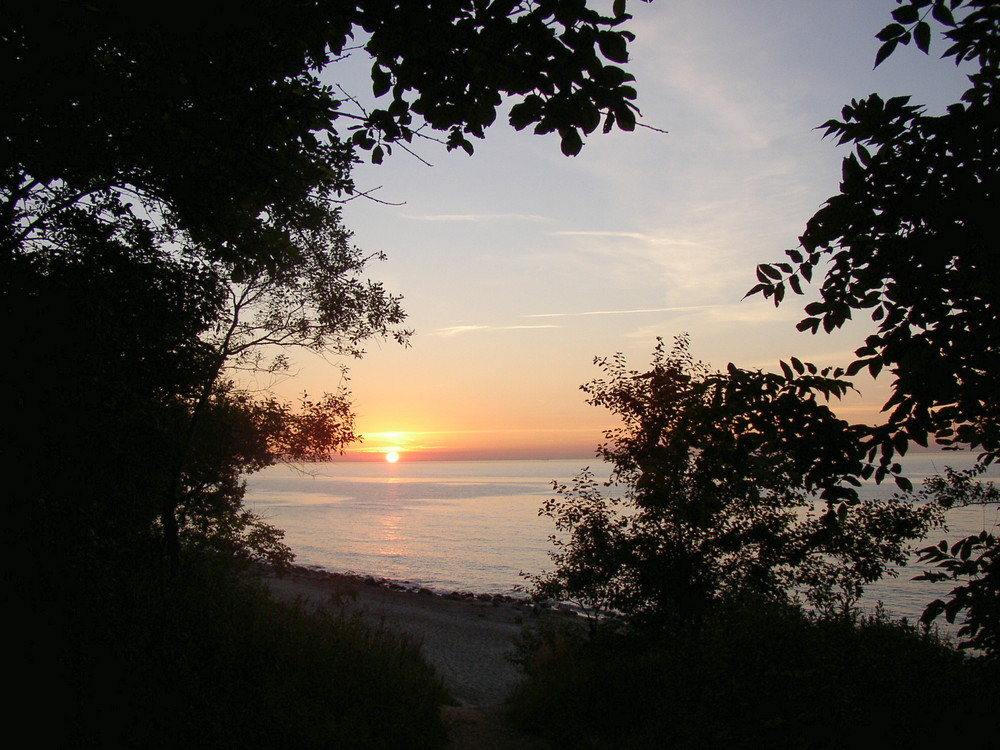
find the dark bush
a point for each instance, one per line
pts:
(214, 663)
(754, 676)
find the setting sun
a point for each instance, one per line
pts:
(387, 446)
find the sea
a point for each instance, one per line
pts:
(474, 526)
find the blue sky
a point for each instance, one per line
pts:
(519, 265)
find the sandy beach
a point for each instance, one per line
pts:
(465, 638)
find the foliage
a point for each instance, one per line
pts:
(146, 334)
(756, 675)
(972, 560)
(168, 192)
(910, 239)
(169, 114)
(106, 345)
(208, 149)
(463, 57)
(209, 661)
(975, 560)
(240, 434)
(321, 304)
(720, 472)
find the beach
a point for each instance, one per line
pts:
(466, 638)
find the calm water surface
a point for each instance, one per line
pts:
(474, 525)
(449, 525)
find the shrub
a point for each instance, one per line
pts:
(719, 472)
(215, 663)
(755, 676)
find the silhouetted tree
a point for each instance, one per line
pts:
(147, 330)
(910, 239)
(168, 177)
(720, 472)
(220, 122)
(205, 147)
(973, 563)
(320, 303)
(239, 434)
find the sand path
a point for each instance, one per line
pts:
(465, 639)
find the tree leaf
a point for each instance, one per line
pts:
(942, 14)
(381, 81)
(613, 46)
(625, 117)
(769, 271)
(571, 142)
(922, 36)
(884, 51)
(890, 32)
(932, 611)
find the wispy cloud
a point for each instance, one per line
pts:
(627, 235)
(475, 217)
(728, 316)
(694, 263)
(456, 330)
(620, 312)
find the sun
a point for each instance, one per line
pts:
(392, 457)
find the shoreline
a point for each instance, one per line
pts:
(351, 579)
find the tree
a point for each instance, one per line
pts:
(719, 474)
(105, 340)
(149, 330)
(168, 114)
(321, 304)
(203, 158)
(155, 167)
(240, 434)
(909, 239)
(463, 57)
(973, 562)
(220, 123)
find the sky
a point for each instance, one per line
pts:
(518, 265)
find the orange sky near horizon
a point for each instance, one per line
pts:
(412, 443)
(476, 446)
